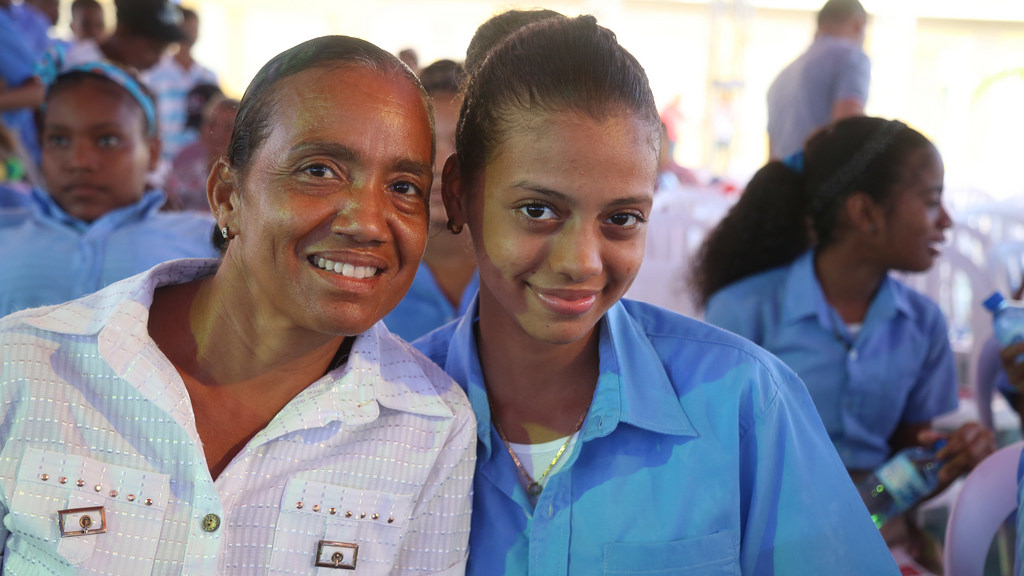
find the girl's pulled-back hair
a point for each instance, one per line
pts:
(789, 206)
(553, 65)
(255, 110)
(499, 27)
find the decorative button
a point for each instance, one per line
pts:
(63, 480)
(98, 488)
(149, 501)
(298, 505)
(316, 507)
(113, 493)
(80, 483)
(211, 522)
(337, 555)
(131, 497)
(82, 521)
(44, 477)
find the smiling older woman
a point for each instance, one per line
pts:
(252, 415)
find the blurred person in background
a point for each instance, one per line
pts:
(172, 79)
(446, 280)
(21, 91)
(826, 83)
(186, 183)
(87, 21)
(143, 32)
(34, 19)
(18, 172)
(96, 223)
(801, 266)
(411, 59)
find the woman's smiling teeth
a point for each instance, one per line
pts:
(346, 270)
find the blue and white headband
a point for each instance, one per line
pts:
(123, 79)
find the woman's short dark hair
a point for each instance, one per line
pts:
(260, 100)
(789, 206)
(553, 65)
(258, 104)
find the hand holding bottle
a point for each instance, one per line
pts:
(965, 448)
(1014, 369)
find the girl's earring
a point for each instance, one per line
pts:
(453, 227)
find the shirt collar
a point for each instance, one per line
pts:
(463, 364)
(633, 386)
(804, 296)
(45, 208)
(88, 315)
(378, 370)
(379, 373)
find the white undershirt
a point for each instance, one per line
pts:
(536, 457)
(854, 329)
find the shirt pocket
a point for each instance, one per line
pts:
(133, 505)
(877, 399)
(712, 555)
(343, 517)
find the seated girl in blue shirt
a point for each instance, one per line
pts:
(97, 222)
(614, 437)
(800, 265)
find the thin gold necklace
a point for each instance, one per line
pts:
(534, 487)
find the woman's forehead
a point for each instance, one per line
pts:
(351, 86)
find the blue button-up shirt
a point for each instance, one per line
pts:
(701, 454)
(899, 367)
(425, 307)
(48, 256)
(17, 64)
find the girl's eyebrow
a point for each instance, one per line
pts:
(556, 195)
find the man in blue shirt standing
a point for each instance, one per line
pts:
(826, 83)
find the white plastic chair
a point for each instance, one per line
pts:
(680, 219)
(958, 282)
(986, 499)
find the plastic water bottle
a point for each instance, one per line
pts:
(1007, 319)
(906, 479)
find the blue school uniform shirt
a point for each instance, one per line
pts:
(899, 367)
(48, 256)
(701, 454)
(425, 307)
(17, 66)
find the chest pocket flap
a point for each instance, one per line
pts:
(133, 505)
(313, 511)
